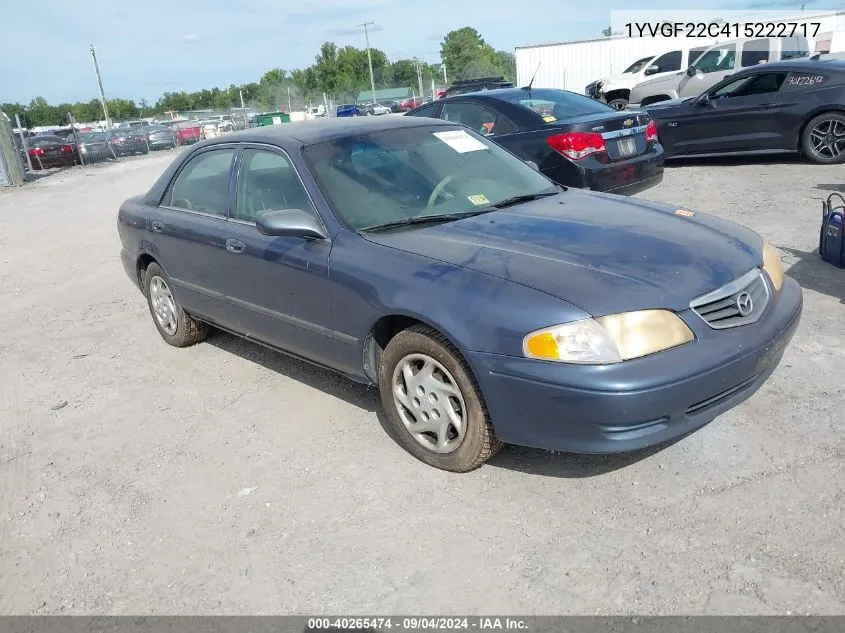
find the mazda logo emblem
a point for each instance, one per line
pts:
(744, 304)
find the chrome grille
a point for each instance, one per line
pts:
(740, 302)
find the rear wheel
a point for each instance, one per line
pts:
(823, 140)
(433, 402)
(176, 327)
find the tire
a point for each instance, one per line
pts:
(831, 125)
(618, 104)
(185, 330)
(462, 451)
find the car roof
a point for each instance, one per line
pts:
(311, 132)
(803, 64)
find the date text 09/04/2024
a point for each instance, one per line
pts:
(417, 624)
(722, 29)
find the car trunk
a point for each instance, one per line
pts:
(624, 134)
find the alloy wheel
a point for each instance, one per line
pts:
(430, 403)
(164, 306)
(827, 138)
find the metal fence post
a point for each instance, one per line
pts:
(24, 143)
(75, 138)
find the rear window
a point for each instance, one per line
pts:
(41, 141)
(795, 47)
(88, 137)
(556, 104)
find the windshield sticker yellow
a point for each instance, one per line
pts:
(460, 141)
(478, 199)
(685, 213)
(549, 118)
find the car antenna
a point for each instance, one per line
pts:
(531, 83)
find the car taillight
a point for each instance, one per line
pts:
(651, 132)
(577, 145)
(67, 148)
(36, 151)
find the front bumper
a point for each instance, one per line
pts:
(635, 404)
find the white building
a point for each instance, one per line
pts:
(573, 65)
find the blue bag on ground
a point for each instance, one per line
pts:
(831, 238)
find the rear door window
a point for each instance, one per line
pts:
(755, 52)
(717, 59)
(477, 117)
(429, 110)
(695, 53)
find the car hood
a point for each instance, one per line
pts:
(668, 81)
(600, 252)
(665, 105)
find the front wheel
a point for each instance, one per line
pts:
(433, 403)
(823, 140)
(618, 103)
(176, 327)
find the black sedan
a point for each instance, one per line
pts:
(783, 106)
(585, 322)
(159, 137)
(574, 140)
(128, 141)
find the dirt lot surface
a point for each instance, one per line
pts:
(138, 478)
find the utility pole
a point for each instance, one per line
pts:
(243, 109)
(290, 108)
(369, 57)
(102, 93)
(418, 65)
(445, 81)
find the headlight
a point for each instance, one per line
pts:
(772, 265)
(608, 339)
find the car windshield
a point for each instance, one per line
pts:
(637, 66)
(412, 174)
(556, 104)
(89, 137)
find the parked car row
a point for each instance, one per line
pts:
(688, 71)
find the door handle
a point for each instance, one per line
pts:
(235, 246)
(158, 227)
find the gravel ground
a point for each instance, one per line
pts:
(138, 478)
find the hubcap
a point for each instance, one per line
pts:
(827, 139)
(164, 307)
(429, 403)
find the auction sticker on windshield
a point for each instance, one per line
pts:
(478, 199)
(460, 141)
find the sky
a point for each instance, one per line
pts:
(156, 46)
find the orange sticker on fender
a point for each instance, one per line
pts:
(685, 213)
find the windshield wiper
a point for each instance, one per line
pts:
(509, 202)
(425, 219)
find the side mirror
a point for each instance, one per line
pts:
(290, 223)
(691, 71)
(651, 70)
(532, 165)
(704, 99)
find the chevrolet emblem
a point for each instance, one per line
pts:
(628, 122)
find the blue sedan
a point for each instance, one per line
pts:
(488, 304)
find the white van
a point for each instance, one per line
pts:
(716, 63)
(616, 90)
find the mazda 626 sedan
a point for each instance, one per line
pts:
(488, 304)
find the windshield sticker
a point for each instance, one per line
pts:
(549, 118)
(478, 199)
(685, 213)
(460, 141)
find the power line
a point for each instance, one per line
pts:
(369, 57)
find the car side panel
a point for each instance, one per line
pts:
(368, 281)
